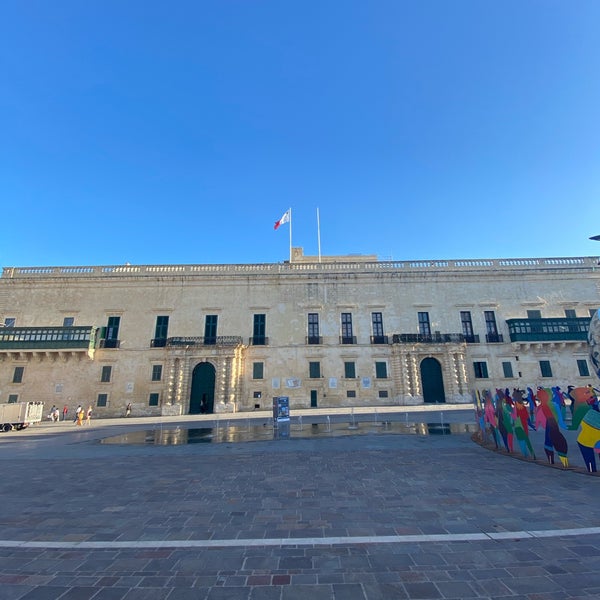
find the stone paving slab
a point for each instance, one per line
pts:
(363, 517)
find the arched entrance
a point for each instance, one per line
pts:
(432, 381)
(202, 397)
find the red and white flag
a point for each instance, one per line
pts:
(284, 219)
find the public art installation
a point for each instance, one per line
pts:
(506, 416)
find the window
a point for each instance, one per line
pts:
(257, 395)
(102, 400)
(467, 323)
(424, 324)
(210, 329)
(257, 370)
(351, 394)
(383, 393)
(314, 370)
(18, 375)
(106, 373)
(381, 370)
(350, 370)
(584, 370)
(68, 321)
(480, 369)
(153, 399)
(259, 329)
(161, 329)
(534, 314)
(13, 398)
(156, 372)
(592, 312)
(570, 313)
(111, 339)
(491, 329)
(507, 369)
(347, 337)
(313, 328)
(112, 328)
(377, 325)
(490, 322)
(11, 321)
(545, 368)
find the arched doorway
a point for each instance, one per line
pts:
(202, 397)
(432, 381)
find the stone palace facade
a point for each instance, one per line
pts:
(342, 331)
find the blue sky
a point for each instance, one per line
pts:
(179, 132)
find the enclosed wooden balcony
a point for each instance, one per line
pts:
(548, 330)
(47, 338)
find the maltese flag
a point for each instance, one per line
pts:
(284, 219)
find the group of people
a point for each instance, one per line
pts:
(80, 414)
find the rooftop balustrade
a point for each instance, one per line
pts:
(342, 266)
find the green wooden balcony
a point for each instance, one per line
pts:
(47, 338)
(548, 330)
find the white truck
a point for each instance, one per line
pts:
(19, 415)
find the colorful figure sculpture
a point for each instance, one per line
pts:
(583, 401)
(521, 418)
(553, 439)
(490, 417)
(589, 439)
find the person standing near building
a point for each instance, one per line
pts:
(65, 411)
(89, 415)
(78, 415)
(128, 410)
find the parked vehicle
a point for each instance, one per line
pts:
(20, 415)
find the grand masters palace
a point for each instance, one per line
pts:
(328, 332)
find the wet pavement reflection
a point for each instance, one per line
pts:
(251, 431)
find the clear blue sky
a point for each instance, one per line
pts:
(179, 132)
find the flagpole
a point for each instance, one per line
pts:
(319, 233)
(290, 209)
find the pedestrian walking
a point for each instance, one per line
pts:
(65, 411)
(128, 410)
(89, 415)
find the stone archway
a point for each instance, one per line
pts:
(202, 396)
(432, 381)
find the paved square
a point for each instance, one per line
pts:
(365, 517)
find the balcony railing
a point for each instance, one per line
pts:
(380, 339)
(314, 339)
(430, 338)
(110, 343)
(220, 340)
(259, 340)
(472, 339)
(348, 339)
(494, 338)
(46, 338)
(548, 330)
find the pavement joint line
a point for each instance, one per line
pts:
(324, 541)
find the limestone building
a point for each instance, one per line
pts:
(345, 331)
